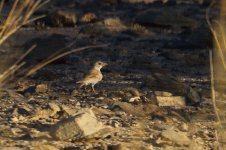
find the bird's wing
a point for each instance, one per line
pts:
(93, 74)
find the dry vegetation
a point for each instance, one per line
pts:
(19, 15)
(218, 70)
(22, 11)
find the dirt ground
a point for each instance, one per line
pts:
(155, 94)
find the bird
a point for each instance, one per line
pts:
(93, 76)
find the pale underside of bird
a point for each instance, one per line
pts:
(93, 76)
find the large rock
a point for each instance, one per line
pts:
(173, 101)
(165, 18)
(12, 148)
(41, 88)
(49, 112)
(165, 82)
(177, 137)
(81, 125)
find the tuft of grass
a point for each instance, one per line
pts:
(114, 24)
(89, 17)
(139, 29)
(20, 14)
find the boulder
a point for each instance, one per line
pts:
(177, 137)
(81, 125)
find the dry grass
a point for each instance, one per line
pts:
(20, 14)
(218, 70)
(58, 56)
(114, 24)
(139, 29)
(89, 17)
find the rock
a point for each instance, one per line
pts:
(6, 131)
(35, 134)
(81, 125)
(68, 110)
(197, 144)
(163, 93)
(183, 127)
(177, 137)
(165, 18)
(136, 110)
(24, 84)
(64, 18)
(88, 18)
(44, 147)
(28, 91)
(54, 107)
(165, 82)
(48, 112)
(114, 24)
(41, 88)
(135, 99)
(173, 101)
(192, 95)
(131, 95)
(24, 110)
(12, 148)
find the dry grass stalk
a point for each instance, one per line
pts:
(218, 69)
(19, 15)
(212, 86)
(16, 66)
(56, 57)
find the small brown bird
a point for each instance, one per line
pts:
(94, 76)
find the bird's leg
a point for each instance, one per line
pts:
(93, 88)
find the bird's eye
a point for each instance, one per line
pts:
(99, 63)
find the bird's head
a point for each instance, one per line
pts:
(99, 64)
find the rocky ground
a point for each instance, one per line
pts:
(155, 94)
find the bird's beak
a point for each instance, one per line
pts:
(105, 64)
